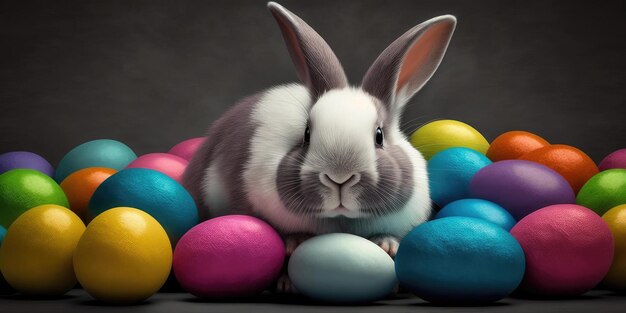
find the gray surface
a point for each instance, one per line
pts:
(78, 301)
(151, 73)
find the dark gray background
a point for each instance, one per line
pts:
(152, 73)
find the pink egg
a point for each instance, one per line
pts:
(187, 148)
(168, 164)
(568, 249)
(616, 159)
(228, 256)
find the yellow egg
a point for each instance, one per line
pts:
(616, 219)
(124, 256)
(36, 254)
(443, 134)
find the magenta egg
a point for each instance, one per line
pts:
(568, 249)
(521, 187)
(228, 257)
(616, 159)
(187, 148)
(166, 163)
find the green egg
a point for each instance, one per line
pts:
(604, 191)
(23, 189)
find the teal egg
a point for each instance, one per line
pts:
(450, 173)
(96, 153)
(342, 267)
(5, 288)
(478, 208)
(152, 192)
(460, 260)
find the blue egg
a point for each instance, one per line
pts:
(342, 267)
(450, 172)
(5, 288)
(460, 260)
(153, 192)
(101, 153)
(481, 209)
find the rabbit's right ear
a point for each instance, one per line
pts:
(409, 62)
(317, 66)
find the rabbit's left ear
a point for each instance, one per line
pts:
(316, 64)
(408, 63)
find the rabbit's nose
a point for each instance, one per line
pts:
(333, 180)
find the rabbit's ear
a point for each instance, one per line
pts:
(409, 62)
(317, 66)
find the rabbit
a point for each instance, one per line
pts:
(321, 156)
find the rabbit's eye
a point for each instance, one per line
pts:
(379, 136)
(307, 135)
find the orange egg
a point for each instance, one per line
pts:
(574, 165)
(80, 186)
(513, 144)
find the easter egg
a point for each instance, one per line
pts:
(616, 159)
(571, 163)
(436, 136)
(568, 250)
(615, 218)
(97, 153)
(604, 191)
(229, 256)
(450, 172)
(23, 159)
(342, 267)
(36, 254)
(460, 260)
(80, 186)
(5, 288)
(22, 189)
(153, 192)
(520, 187)
(165, 163)
(478, 208)
(124, 256)
(187, 148)
(513, 144)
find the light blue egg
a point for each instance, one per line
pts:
(342, 267)
(102, 153)
(450, 172)
(479, 208)
(152, 192)
(2, 233)
(460, 260)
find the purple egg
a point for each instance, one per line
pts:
(24, 159)
(616, 159)
(521, 187)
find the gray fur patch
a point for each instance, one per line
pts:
(300, 195)
(395, 183)
(229, 137)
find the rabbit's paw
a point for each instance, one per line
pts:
(388, 243)
(292, 241)
(284, 285)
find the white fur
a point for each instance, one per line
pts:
(281, 115)
(339, 117)
(214, 191)
(340, 123)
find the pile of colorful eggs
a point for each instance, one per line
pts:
(519, 214)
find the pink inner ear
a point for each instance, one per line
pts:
(420, 59)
